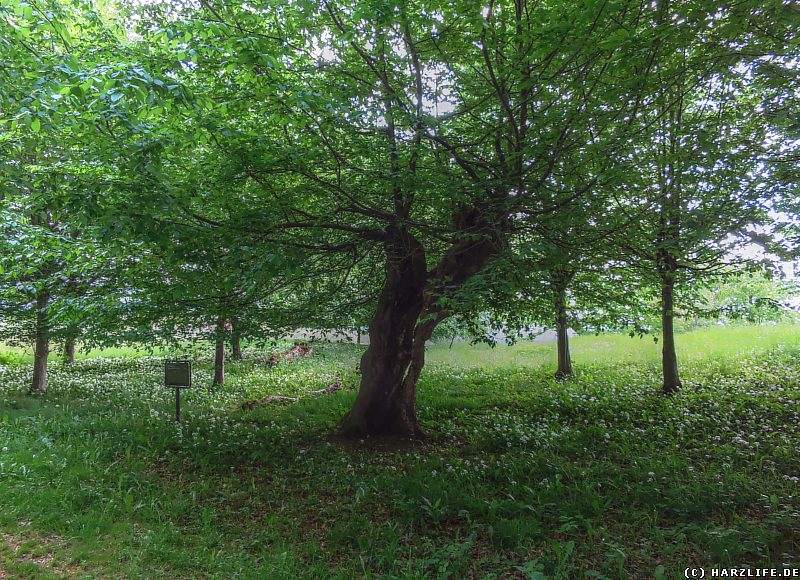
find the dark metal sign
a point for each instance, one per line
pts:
(177, 373)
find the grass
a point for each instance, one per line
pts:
(521, 476)
(611, 349)
(22, 355)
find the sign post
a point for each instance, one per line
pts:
(178, 374)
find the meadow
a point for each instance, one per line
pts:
(519, 476)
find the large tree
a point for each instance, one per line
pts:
(428, 132)
(423, 134)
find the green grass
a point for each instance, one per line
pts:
(521, 476)
(22, 355)
(611, 349)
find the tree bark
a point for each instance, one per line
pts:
(42, 343)
(407, 314)
(564, 369)
(69, 350)
(236, 343)
(384, 405)
(668, 244)
(669, 359)
(219, 353)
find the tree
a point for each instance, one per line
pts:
(55, 274)
(429, 135)
(54, 280)
(755, 297)
(341, 111)
(703, 167)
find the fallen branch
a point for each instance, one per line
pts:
(270, 399)
(301, 349)
(332, 388)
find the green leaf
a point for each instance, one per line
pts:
(615, 39)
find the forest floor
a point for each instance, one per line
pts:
(520, 476)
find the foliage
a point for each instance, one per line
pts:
(751, 297)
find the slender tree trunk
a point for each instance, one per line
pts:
(69, 350)
(236, 342)
(406, 316)
(564, 361)
(70, 338)
(669, 359)
(668, 243)
(219, 353)
(42, 343)
(236, 348)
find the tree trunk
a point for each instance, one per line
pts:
(236, 343)
(669, 359)
(668, 243)
(219, 353)
(564, 361)
(406, 316)
(386, 402)
(69, 350)
(42, 343)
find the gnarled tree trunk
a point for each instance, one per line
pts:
(407, 314)
(42, 343)
(384, 405)
(219, 353)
